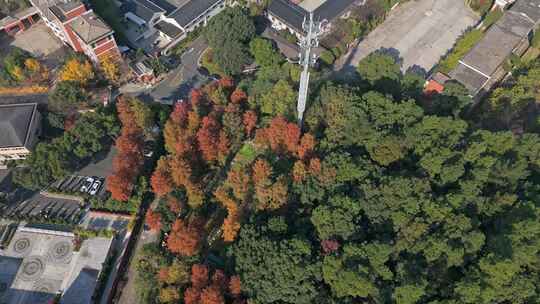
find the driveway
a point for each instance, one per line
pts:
(420, 32)
(182, 79)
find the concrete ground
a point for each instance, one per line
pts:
(41, 42)
(420, 32)
(48, 263)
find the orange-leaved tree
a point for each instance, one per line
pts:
(185, 238)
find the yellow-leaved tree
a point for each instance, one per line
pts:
(111, 69)
(38, 72)
(80, 71)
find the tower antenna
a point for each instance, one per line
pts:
(307, 59)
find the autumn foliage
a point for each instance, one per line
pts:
(250, 121)
(161, 180)
(231, 224)
(281, 136)
(235, 285)
(77, 70)
(153, 220)
(129, 160)
(185, 237)
(211, 289)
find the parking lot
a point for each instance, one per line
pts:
(80, 184)
(44, 207)
(420, 32)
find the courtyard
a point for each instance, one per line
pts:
(419, 32)
(37, 40)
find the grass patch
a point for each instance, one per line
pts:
(248, 152)
(208, 63)
(492, 17)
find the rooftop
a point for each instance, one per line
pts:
(61, 8)
(169, 29)
(500, 40)
(188, 12)
(141, 8)
(293, 15)
(289, 13)
(16, 124)
(19, 15)
(311, 5)
(90, 28)
(531, 8)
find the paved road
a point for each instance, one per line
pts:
(181, 80)
(129, 293)
(420, 32)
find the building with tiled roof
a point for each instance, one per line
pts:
(484, 65)
(288, 15)
(78, 27)
(19, 129)
(158, 25)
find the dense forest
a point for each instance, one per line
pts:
(383, 196)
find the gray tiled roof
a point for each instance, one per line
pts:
(471, 79)
(191, 10)
(15, 124)
(45, 7)
(289, 13)
(61, 8)
(151, 5)
(293, 15)
(169, 29)
(492, 50)
(90, 28)
(169, 6)
(500, 40)
(135, 7)
(531, 8)
(332, 9)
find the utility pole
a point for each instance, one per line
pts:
(307, 59)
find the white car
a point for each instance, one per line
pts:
(87, 184)
(95, 187)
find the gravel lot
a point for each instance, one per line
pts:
(420, 32)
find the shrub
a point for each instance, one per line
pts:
(535, 41)
(327, 57)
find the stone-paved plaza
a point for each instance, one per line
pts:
(40, 263)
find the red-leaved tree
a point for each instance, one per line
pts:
(199, 276)
(153, 220)
(185, 238)
(161, 179)
(208, 138)
(129, 160)
(212, 295)
(250, 121)
(235, 286)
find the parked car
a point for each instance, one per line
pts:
(87, 184)
(95, 187)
